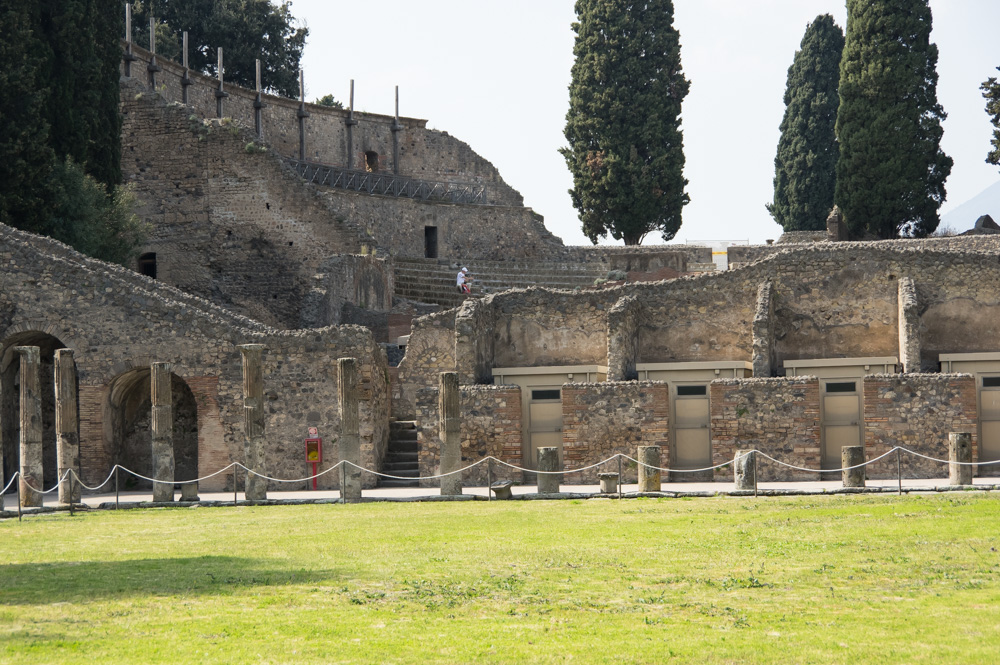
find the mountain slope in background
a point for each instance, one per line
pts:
(964, 217)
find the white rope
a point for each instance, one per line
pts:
(440, 475)
(294, 480)
(846, 468)
(52, 489)
(942, 461)
(12, 479)
(550, 473)
(668, 470)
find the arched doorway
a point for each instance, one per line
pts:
(10, 403)
(131, 427)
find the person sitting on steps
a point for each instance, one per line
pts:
(462, 281)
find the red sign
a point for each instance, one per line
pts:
(314, 451)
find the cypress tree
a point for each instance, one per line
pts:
(626, 149)
(891, 172)
(805, 168)
(25, 155)
(991, 91)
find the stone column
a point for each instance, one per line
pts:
(744, 470)
(450, 432)
(67, 425)
(163, 431)
(548, 460)
(31, 427)
(909, 325)
(649, 478)
(960, 456)
(853, 456)
(255, 487)
(763, 332)
(350, 432)
(623, 338)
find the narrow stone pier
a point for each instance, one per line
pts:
(744, 470)
(350, 432)
(163, 431)
(548, 460)
(960, 458)
(255, 487)
(852, 456)
(67, 425)
(649, 475)
(450, 433)
(30, 479)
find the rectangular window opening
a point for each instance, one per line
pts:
(692, 391)
(991, 382)
(842, 387)
(545, 394)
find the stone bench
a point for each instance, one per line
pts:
(501, 489)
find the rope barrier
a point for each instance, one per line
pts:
(488, 459)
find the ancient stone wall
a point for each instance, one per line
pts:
(423, 153)
(917, 412)
(777, 416)
(347, 280)
(431, 350)
(491, 426)
(603, 419)
(119, 322)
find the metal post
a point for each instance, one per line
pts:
(343, 482)
(302, 114)
(71, 493)
(129, 58)
(620, 478)
(489, 479)
(350, 122)
(185, 78)
(220, 94)
(18, 485)
(396, 127)
(755, 472)
(899, 472)
(258, 105)
(236, 477)
(152, 67)
(116, 486)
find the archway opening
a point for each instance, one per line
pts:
(10, 403)
(371, 161)
(132, 431)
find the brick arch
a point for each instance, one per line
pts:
(128, 427)
(44, 337)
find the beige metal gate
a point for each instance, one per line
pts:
(691, 418)
(989, 423)
(544, 421)
(840, 419)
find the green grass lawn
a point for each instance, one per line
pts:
(846, 579)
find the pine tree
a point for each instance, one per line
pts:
(891, 172)
(805, 168)
(623, 127)
(991, 91)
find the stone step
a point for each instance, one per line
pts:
(391, 482)
(401, 468)
(397, 457)
(402, 425)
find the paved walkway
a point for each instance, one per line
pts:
(135, 499)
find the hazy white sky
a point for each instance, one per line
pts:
(496, 75)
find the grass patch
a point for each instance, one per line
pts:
(845, 579)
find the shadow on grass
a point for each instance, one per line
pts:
(44, 583)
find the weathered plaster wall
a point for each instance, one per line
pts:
(603, 419)
(777, 416)
(491, 426)
(917, 412)
(119, 322)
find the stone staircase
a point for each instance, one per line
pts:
(401, 459)
(433, 280)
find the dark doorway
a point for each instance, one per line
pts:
(371, 161)
(430, 242)
(147, 264)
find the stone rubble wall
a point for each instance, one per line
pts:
(603, 419)
(430, 351)
(491, 426)
(118, 321)
(917, 412)
(347, 280)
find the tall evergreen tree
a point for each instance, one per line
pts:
(891, 172)
(245, 29)
(626, 149)
(805, 168)
(991, 91)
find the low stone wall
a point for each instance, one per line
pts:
(431, 350)
(491, 426)
(917, 412)
(603, 419)
(779, 417)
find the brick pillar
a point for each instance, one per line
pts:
(255, 487)
(548, 460)
(852, 456)
(163, 431)
(450, 432)
(67, 424)
(960, 456)
(30, 479)
(649, 478)
(350, 432)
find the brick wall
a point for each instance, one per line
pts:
(917, 412)
(603, 419)
(779, 417)
(491, 426)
